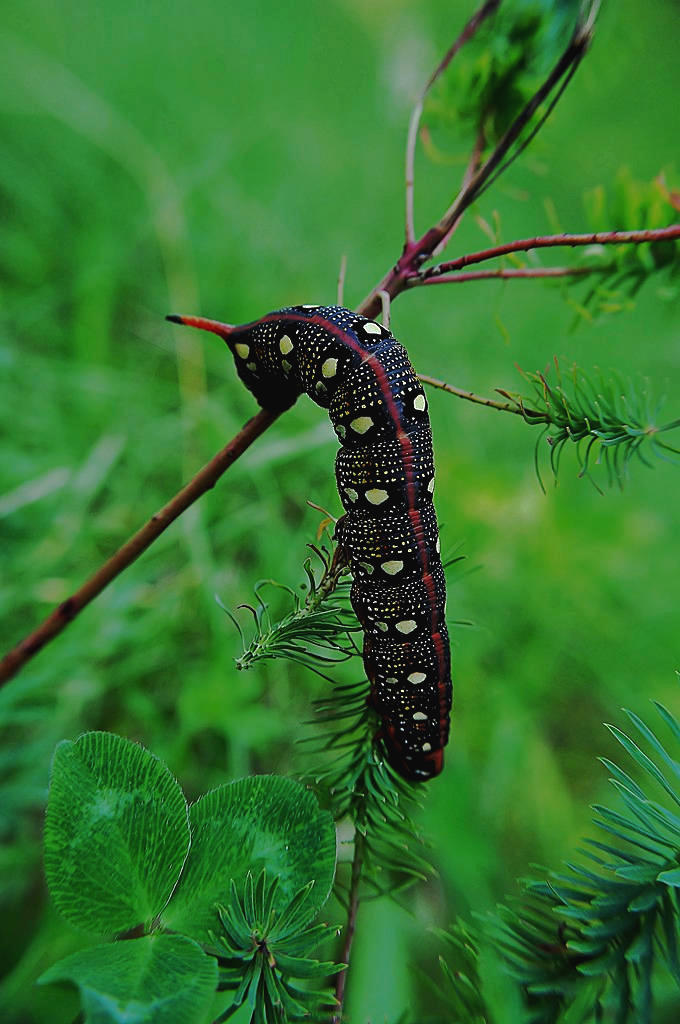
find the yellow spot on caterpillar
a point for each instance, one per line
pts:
(286, 366)
(392, 568)
(361, 424)
(286, 345)
(366, 566)
(242, 350)
(407, 626)
(330, 368)
(351, 493)
(419, 403)
(416, 678)
(341, 430)
(372, 328)
(425, 747)
(382, 626)
(376, 496)
(320, 387)
(251, 366)
(391, 680)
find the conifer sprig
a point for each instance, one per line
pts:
(262, 954)
(585, 944)
(318, 629)
(610, 421)
(363, 788)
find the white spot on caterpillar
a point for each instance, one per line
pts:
(251, 366)
(330, 368)
(341, 430)
(242, 350)
(287, 367)
(392, 568)
(418, 716)
(416, 678)
(310, 307)
(430, 486)
(407, 626)
(377, 497)
(382, 626)
(419, 403)
(372, 328)
(361, 424)
(425, 747)
(351, 493)
(286, 345)
(438, 546)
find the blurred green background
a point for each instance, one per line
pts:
(219, 159)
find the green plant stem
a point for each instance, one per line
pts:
(357, 866)
(65, 612)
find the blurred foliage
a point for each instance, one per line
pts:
(499, 71)
(147, 149)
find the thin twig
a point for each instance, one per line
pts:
(341, 278)
(549, 241)
(519, 272)
(470, 171)
(468, 32)
(531, 415)
(357, 865)
(68, 609)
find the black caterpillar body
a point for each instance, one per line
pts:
(357, 370)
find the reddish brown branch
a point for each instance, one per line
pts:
(550, 241)
(520, 272)
(68, 609)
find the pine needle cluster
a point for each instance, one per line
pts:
(610, 422)
(263, 954)
(587, 943)
(317, 631)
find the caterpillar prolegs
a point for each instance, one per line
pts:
(357, 370)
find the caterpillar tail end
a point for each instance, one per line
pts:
(223, 330)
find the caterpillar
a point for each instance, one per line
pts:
(357, 370)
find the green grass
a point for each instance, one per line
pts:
(220, 158)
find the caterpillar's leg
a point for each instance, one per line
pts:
(341, 554)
